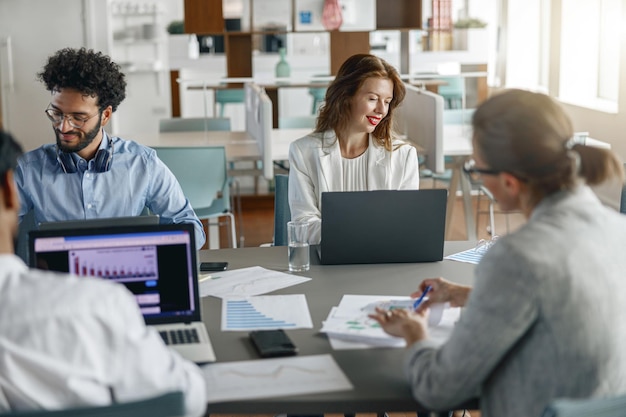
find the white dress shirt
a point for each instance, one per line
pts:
(315, 166)
(67, 341)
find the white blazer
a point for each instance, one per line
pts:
(315, 167)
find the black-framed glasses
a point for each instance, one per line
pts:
(469, 167)
(75, 120)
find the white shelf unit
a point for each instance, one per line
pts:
(139, 41)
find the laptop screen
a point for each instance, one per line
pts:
(155, 262)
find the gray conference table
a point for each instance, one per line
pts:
(379, 383)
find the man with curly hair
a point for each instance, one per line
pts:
(89, 174)
(82, 341)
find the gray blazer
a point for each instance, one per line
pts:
(546, 317)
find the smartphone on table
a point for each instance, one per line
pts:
(213, 266)
(272, 343)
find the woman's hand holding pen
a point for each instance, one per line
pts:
(441, 291)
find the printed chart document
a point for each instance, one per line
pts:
(266, 312)
(474, 255)
(349, 327)
(246, 282)
(273, 378)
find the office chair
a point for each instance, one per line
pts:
(228, 96)
(596, 407)
(194, 124)
(202, 174)
(200, 124)
(318, 94)
(282, 213)
(452, 92)
(171, 404)
(297, 122)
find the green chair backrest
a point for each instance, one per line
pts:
(297, 122)
(194, 124)
(201, 172)
(586, 407)
(167, 405)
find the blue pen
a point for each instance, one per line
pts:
(419, 300)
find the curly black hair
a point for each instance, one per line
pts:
(87, 71)
(10, 151)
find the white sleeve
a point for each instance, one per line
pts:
(303, 195)
(147, 367)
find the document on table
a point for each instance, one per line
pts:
(349, 327)
(276, 377)
(266, 312)
(247, 281)
(472, 256)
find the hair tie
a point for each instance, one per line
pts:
(569, 144)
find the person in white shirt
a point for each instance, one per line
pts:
(353, 147)
(68, 341)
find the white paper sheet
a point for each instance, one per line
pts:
(348, 326)
(266, 312)
(264, 378)
(247, 281)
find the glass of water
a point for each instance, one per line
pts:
(297, 238)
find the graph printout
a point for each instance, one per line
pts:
(245, 282)
(277, 377)
(266, 312)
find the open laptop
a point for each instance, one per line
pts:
(100, 222)
(383, 226)
(157, 263)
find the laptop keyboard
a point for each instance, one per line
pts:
(179, 337)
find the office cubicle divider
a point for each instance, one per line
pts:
(421, 114)
(259, 124)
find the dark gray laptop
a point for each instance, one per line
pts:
(100, 222)
(157, 263)
(383, 226)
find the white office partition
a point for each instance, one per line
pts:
(259, 124)
(422, 118)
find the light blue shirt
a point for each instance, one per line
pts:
(137, 180)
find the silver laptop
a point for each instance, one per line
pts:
(100, 222)
(383, 226)
(157, 263)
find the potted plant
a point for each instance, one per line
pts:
(176, 27)
(461, 31)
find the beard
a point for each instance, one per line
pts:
(85, 138)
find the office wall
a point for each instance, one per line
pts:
(608, 127)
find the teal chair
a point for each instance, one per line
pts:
(228, 96)
(297, 122)
(202, 174)
(458, 116)
(452, 92)
(166, 405)
(318, 94)
(194, 124)
(282, 213)
(614, 406)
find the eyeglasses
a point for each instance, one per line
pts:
(75, 120)
(470, 168)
